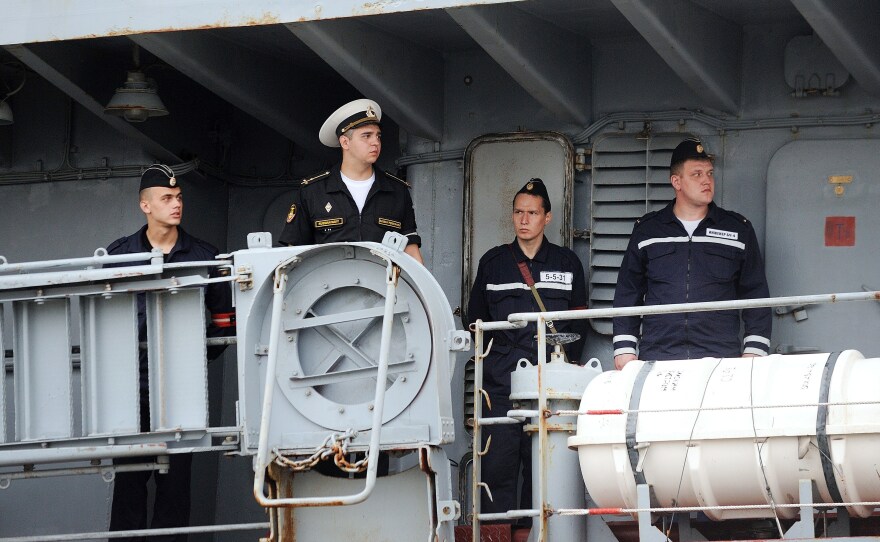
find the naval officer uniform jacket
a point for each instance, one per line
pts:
(323, 211)
(499, 290)
(662, 265)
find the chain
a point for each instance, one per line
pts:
(335, 445)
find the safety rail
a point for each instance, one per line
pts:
(261, 461)
(203, 529)
(100, 257)
(520, 320)
(42, 302)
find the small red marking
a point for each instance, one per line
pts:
(840, 231)
(604, 511)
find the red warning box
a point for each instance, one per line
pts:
(840, 231)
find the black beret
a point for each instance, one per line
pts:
(158, 175)
(535, 187)
(689, 149)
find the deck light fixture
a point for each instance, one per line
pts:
(5, 113)
(6, 117)
(137, 99)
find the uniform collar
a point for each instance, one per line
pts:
(183, 244)
(540, 256)
(335, 184)
(668, 215)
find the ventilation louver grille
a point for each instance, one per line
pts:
(630, 177)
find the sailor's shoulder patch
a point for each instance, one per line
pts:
(114, 246)
(398, 179)
(320, 176)
(647, 216)
(738, 217)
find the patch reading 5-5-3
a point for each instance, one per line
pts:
(329, 222)
(390, 223)
(562, 277)
(292, 213)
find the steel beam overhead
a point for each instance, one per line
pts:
(404, 78)
(27, 21)
(551, 64)
(48, 72)
(849, 29)
(262, 87)
(701, 47)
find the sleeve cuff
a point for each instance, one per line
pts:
(414, 238)
(756, 344)
(625, 341)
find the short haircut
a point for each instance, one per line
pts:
(347, 134)
(677, 167)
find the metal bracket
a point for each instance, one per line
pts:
(794, 349)
(259, 239)
(805, 526)
(395, 241)
(647, 532)
(459, 340)
(448, 510)
(798, 311)
(245, 277)
(686, 532)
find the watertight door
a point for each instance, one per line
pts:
(822, 225)
(496, 167)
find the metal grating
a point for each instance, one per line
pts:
(630, 177)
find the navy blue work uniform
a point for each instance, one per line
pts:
(323, 211)
(499, 290)
(172, 502)
(721, 261)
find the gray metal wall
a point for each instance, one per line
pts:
(43, 221)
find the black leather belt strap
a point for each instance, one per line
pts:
(632, 419)
(821, 428)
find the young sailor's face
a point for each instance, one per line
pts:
(695, 183)
(529, 218)
(164, 206)
(364, 143)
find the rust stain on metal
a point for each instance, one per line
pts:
(833, 298)
(376, 8)
(559, 427)
(424, 463)
(123, 275)
(267, 18)
(372, 7)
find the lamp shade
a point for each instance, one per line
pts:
(136, 100)
(5, 114)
